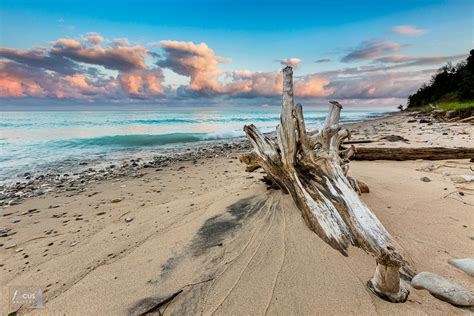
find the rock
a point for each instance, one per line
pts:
(443, 289)
(425, 179)
(425, 121)
(462, 179)
(395, 138)
(445, 173)
(118, 200)
(466, 265)
(128, 219)
(10, 246)
(426, 166)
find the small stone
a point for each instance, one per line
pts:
(123, 186)
(427, 166)
(443, 289)
(462, 179)
(118, 200)
(10, 246)
(128, 219)
(425, 179)
(466, 265)
(73, 243)
(445, 173)
(19, 250)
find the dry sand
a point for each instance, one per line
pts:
(217, 236)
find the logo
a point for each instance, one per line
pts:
(26, 297)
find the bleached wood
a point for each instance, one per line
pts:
(312, 168)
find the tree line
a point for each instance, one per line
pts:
(449, 84)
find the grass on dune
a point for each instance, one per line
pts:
(447, 106)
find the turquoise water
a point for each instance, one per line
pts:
(49, 141)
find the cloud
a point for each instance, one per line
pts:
(246, 83)
(371, 49)
(196, 61)
(407, 30)
(93, 68)
(324, 60)
(18, 82)
(121, 58)
(369, 85)
(142, 82)
(69, 70)
(294, 62)
(313, 86)
(406, 61)
(94, 38)
(40, 58)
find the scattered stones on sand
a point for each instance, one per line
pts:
(425, 179)
(37, 185)
(465, 265)
(443, 289)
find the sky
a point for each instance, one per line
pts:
(225, 53)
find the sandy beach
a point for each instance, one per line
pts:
(212, 239)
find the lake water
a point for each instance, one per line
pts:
(44, 141)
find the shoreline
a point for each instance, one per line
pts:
(86, 172)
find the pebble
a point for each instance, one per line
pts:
(427, 166)
(128, 219)
(425, 179)
(465, 265)
(445, 173)
(10, 246)
(443, 289)
(462, 179)
(116, 200)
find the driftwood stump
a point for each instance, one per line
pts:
(312, 167)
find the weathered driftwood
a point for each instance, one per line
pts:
(312, 168)
(386, 281)
(406, 153)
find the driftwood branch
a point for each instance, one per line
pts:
(406, 153)
(312, 167)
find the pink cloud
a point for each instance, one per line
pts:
(371, 49)
(408, 30)
(142, 82)
(313, 86)
(196, 61)
(250, 84)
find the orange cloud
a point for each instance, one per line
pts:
(142, 82)
(196, 61)
(248, 84)
(313, 86)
